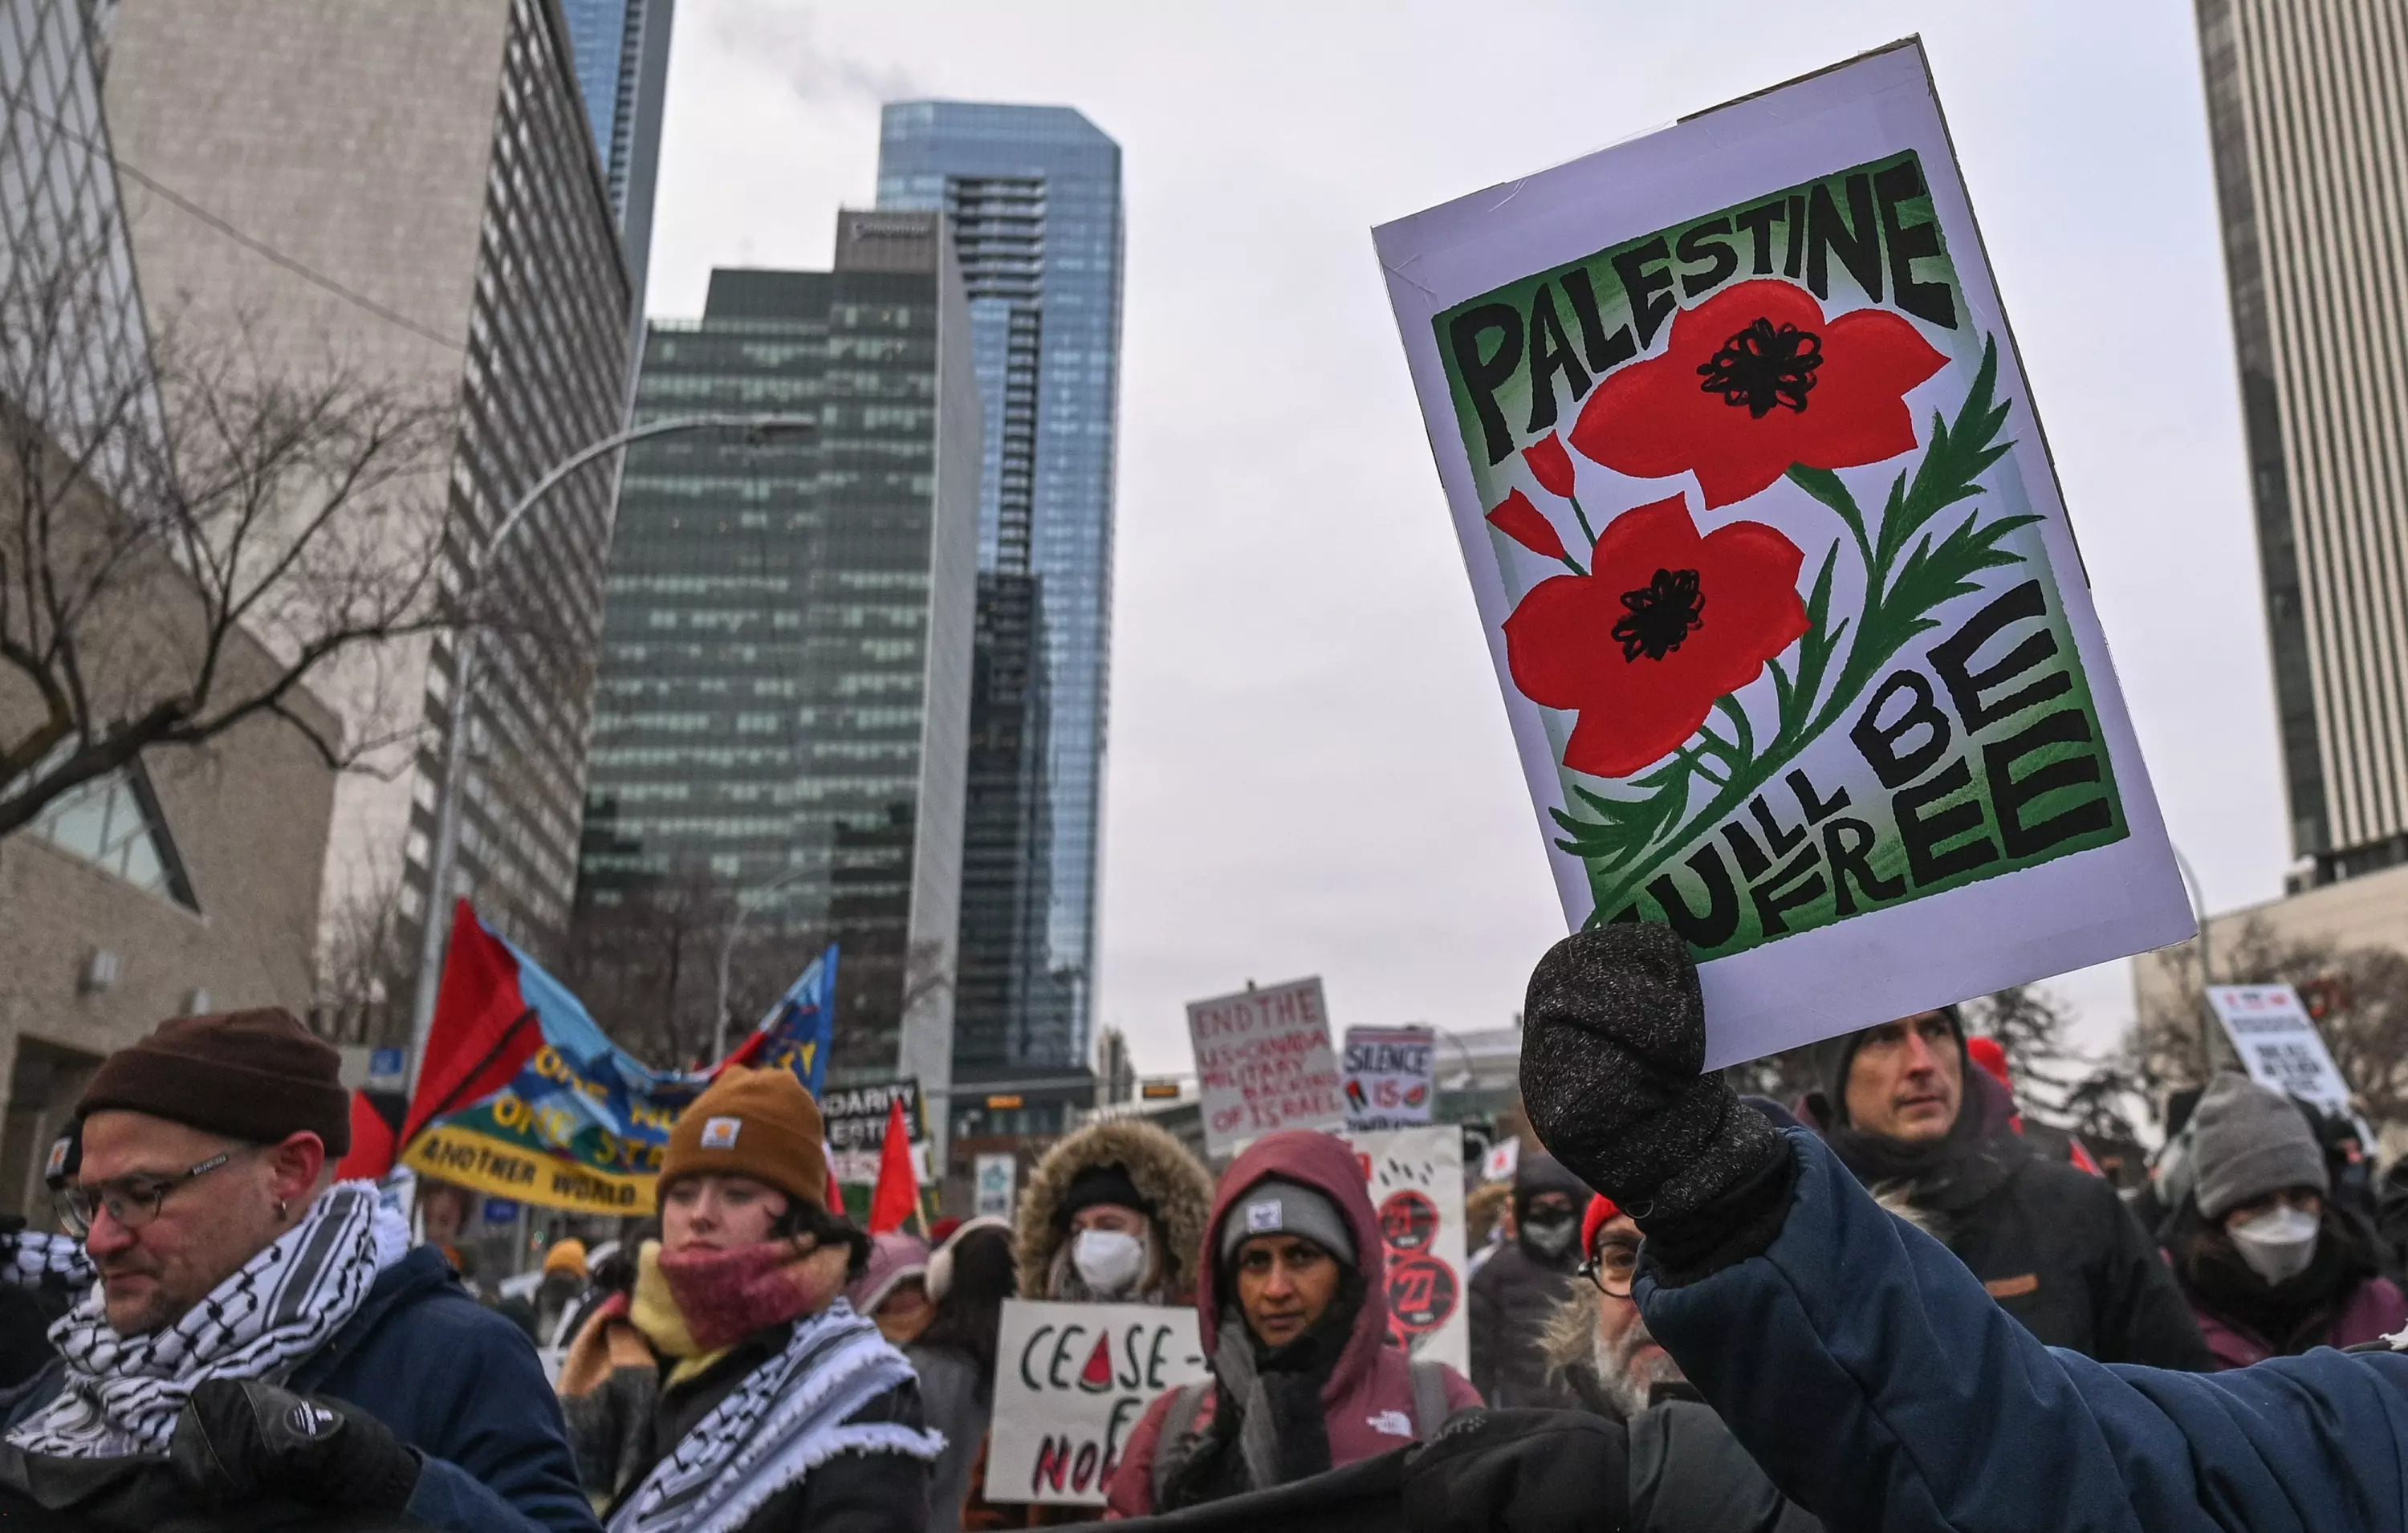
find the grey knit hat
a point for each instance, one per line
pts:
(1276, 1206)
(2248, 1141)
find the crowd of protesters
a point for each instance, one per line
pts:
(1695, 1314)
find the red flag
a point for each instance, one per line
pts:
(899, 1185)
(372, 1142)
(484, 1029)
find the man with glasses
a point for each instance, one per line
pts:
(267, 1329)
(1685, 1469)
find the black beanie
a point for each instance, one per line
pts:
(1106, 1184)
(1835, 1056)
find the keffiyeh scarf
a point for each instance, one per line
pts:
(36, 1260)
(786, 1418)
(123, 1392)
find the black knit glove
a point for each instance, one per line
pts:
(1614, 1046)
(239, 1441)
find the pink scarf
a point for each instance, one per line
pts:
(725, 1295)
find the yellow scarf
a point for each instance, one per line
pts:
(654, 1313)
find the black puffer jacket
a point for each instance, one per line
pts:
(1516, 1291)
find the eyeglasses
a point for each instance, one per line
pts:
(133, 1201)
(1612, 1267)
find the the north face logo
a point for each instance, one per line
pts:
(1391, 1423)
(311, 1420)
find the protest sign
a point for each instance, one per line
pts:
(1416, 1179)
(2278, 1042)
(1503, 1159)
(856, 1129)
(1070, 1382)
(1389, 1077)
(1264, 1059)
(1794, 641)
(994, 1184)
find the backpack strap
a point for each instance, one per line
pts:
(1186, 1404)
(1430, 1397)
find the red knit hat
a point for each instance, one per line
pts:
(1601, 1212)
(1991, 1055)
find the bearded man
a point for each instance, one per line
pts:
(268, 1331)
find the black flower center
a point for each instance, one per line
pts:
(1663, 613)
(1761, 367)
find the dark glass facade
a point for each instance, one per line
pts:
(783, 697)
(623, 68)
(1033, 195)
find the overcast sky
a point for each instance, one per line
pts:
(1309, 765)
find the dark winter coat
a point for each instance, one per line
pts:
(1874, 1381)
(457, 1382)
(1513, 1296)
(850, 1493)
(2055, 1246)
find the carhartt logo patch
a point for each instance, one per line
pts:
(2014, 1287)
(720, 1133)
(1391, 1423)
(1262, 1217)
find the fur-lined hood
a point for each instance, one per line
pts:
(1170, 1178)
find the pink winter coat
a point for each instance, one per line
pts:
(1368, 1400)
(2376, 1310)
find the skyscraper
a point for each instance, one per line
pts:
(784, 691)
(622, 49)
(1034, 197)
(425, 176)
(2308, 112)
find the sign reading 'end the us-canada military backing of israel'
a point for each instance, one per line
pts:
(1795, 644)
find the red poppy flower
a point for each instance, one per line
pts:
(1753, 380)
(1550, 465)
(1520, 520)
(1664, 623)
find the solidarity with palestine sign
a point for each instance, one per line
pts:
(1793, 634)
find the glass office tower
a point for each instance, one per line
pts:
(1034, 197)
(622, 50)
(784, 692)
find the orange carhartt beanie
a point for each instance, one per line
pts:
(760, 1124)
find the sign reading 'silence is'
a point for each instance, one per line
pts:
(1787, 613)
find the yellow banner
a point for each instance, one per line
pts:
(498, 1169)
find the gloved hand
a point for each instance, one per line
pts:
(1614, 1043)
(240, 1440)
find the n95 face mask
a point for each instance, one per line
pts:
(2278, 1244)
(1108, 1262)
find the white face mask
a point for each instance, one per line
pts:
(1108, 1262)
(2278, 1244)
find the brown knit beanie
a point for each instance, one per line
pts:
(256, 1076)
(760, 1124)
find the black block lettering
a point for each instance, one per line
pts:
(1846, 842)
(1798, 884)
(2066, 726)
(1551, 353)
(1932, 301)
(1708, 242)
(1721, 918)
(1648, 286)
(1814, 808)
(1879, 744)
(1603, 352)
(1953, 655)
(1774, 837)
(1758, 221)
(1752, 863)
(1857, 240)
(1483, 376)
(1926, 861)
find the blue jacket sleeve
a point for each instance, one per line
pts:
(1880, 1386)
(501, 1462)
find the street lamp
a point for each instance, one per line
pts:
(727, 950)
(432, 927)
(2208, 1025)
